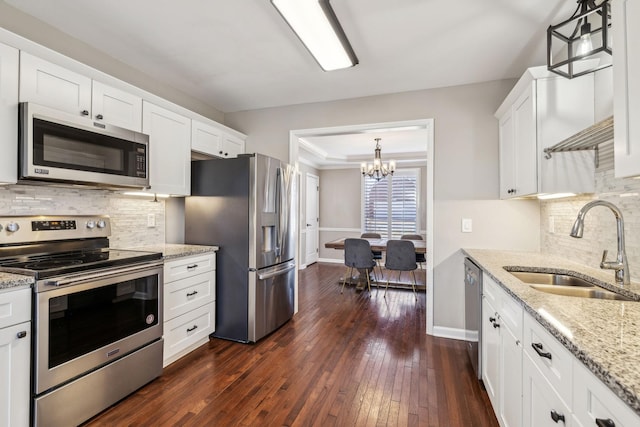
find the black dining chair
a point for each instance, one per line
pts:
(401, 257)
(420, 258)
(377, 255)
(357, 254)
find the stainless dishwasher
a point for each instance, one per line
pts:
(473, 313)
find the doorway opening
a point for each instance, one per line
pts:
(320, 143)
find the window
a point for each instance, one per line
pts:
(390, 206)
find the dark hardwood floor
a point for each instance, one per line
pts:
(343, 360)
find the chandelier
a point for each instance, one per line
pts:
(377, 169)
(582, 43)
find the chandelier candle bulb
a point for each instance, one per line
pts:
(378, 169)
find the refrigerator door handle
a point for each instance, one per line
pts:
(276, 271)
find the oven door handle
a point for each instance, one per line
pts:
(102, 274)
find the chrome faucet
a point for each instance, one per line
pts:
(620, 265)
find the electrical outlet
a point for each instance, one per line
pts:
(552, 224)
(467, 225)
(151, 220)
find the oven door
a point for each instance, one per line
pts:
(82, 323)
(57, 146)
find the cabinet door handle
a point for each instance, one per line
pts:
(21, 334)
(190, 294)
(601, 422)
(84, 112)
(538, 348)
(192, 266)
(556, 416)
(99, 117)
(492, 319)
(192, 329)
(496, 324)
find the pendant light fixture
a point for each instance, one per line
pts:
(582, 43)
(377, 169)
(316, 25)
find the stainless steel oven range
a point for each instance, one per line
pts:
(97, 314)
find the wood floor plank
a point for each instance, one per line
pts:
(350, 359)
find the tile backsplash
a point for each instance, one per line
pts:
(128, 214)
(558, 216)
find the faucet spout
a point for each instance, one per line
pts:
(620, 265)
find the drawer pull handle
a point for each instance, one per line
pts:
(600, 422)
(192, 266)
(21, 334)
(556, 416)
(190, 294)
(192, 329)
(493, 321)
(538, 348)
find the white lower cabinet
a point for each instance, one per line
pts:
(542, 406)
(15, 357)
(502, 353)
(533, 380)
(189, 304)
(595, 405)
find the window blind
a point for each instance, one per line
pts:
(390, 206)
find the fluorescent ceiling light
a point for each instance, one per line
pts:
(317, 26)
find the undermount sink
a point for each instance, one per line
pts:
(564, 284)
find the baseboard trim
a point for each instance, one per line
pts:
(452, 333)
(331, 260)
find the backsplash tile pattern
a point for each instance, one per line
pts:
(128, 214)
(599, 225)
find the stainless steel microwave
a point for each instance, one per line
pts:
(59, 147)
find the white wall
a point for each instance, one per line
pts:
(466, 171)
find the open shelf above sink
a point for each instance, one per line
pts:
(588, 139)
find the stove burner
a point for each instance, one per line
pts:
(53, 263)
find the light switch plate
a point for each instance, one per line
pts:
(151, 220)
(467, 225)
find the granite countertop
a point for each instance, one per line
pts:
(603, 334)
(10, 280)
(175, 250)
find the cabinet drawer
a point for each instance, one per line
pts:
(185, 330)
(540, 401)
(550, 357)
(15, 307)
(592, 401)
(490, 290)
(182, 296)
(188, 266)
(509, 310)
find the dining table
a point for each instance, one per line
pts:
(380, 245)
(377, 244)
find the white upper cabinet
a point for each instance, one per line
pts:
(169, 150)
(540, 111)
(8, 114)
(116, 107)
(53, 86)
(48, 84)
(205, 139)
(231, 146)
(626, 87)
(214, 140)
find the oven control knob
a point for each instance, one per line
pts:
(12, 227)
(91, 224)
(101, 223)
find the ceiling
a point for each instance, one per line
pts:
(241, 55)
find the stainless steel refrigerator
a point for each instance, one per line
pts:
(247, 206)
